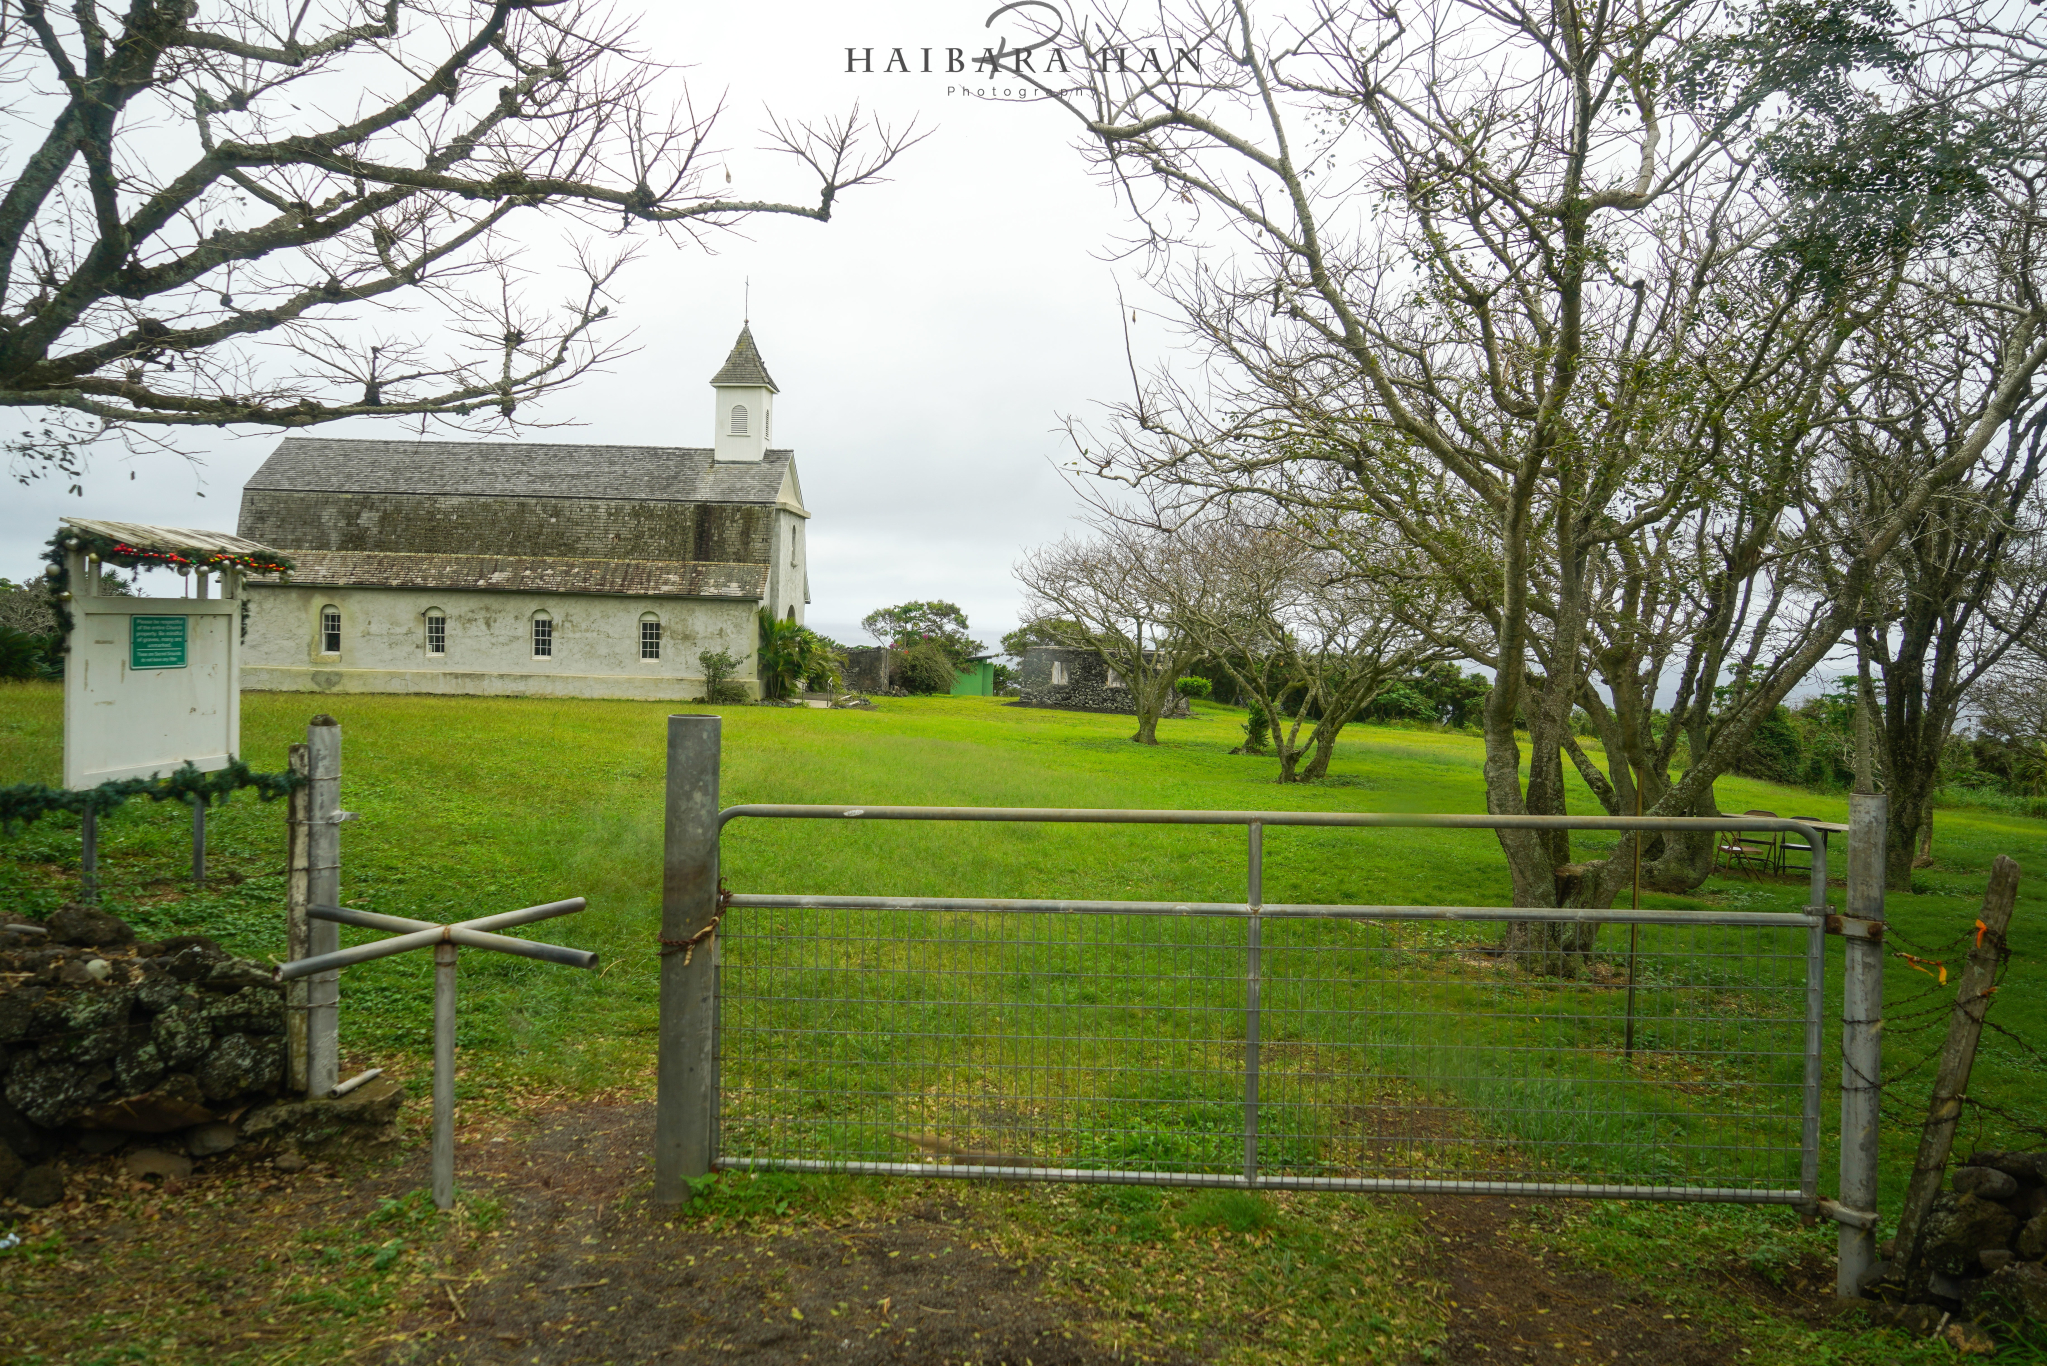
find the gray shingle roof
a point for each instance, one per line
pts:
(528, 574)
(744, 365)
(518, 469)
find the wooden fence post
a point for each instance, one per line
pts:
(686, 1101)
(297, 927)
(1957, 1057)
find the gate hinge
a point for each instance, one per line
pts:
(1841, 1214)
(1872, 930)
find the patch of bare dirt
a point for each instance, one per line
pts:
(588, 1271)
(1509, 1304)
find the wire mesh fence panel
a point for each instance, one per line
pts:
(1026, 1041)
(1302, 1047)
(1479, 1054)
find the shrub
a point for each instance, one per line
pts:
(793, 657)
(21, 654)
(1399, 702)
(1193, 689)
(718, 667)
(1257, 730)
(925, 668)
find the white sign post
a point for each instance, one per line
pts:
(151, 684)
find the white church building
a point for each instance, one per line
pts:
(516, 568)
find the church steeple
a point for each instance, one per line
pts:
(744, 410)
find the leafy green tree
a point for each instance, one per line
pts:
(909, 624)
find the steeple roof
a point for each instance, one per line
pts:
(744, 365)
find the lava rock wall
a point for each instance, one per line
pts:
(103, 1037)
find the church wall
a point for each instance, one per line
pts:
(788, 570)
(459, 524)
(489, 643)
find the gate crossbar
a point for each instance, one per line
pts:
(1568, 915)
(1253, 911)
(1349, 1185)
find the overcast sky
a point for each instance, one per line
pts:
(927, 341)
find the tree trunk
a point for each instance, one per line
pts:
(1147, 729)
(1324, 742)
(1685, 861)
(1911, 794)
(1290, 750)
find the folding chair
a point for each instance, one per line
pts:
(1793, 846)
(1751, 850)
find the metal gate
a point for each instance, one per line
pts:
(1620, 1054)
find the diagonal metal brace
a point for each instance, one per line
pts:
(477, 939)
(433, 934)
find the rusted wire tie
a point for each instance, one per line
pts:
(688, 946)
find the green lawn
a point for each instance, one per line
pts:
(475, 805)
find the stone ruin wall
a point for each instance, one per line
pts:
(173, 1050)
(1087, 686)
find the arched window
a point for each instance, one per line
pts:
(436, 631)
(330, 630)
(543, 636)
(650, 636)
(738, 420)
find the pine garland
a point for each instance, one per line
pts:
(118, 554)
(25, 802)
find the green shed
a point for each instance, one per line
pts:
(977, 679)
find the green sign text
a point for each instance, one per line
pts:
(156, 642)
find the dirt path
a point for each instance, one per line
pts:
(596, 1268)
(1506, 1303)
(568, 1263)
(594, 1275)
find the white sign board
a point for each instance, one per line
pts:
(149, 683)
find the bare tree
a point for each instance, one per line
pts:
(218, 215)
(1967, 582)
(1100, 595)
(1550, 290)
(1303, 631)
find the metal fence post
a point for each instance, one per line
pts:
(199, 842)
(298, 805)
(323, 888)
(444, 1075)
(89, 856)
(1862, 999)
(686, 1093)
(1253, 971)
